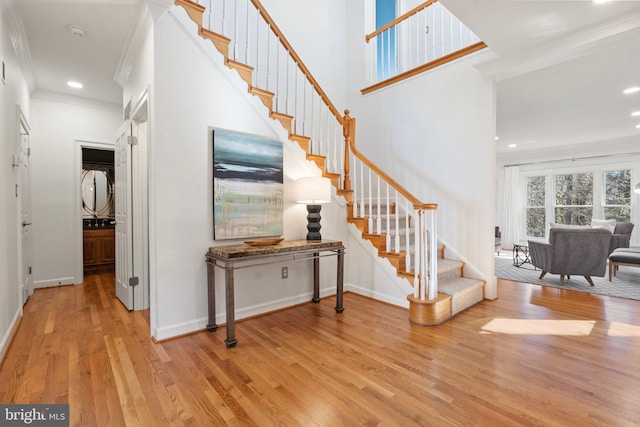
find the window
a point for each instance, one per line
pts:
(574, 199)
(535, 210)
(617, 195)
(386, 42)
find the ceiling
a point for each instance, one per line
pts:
(560, 66)
(57, 55)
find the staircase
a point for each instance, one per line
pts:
(457, 291)
(400, 227)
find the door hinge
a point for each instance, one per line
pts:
(132, 140)
(16, 190)
(133, 281)
(29, 269)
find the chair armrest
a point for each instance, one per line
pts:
(541, 255)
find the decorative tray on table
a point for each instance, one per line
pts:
(264, 242)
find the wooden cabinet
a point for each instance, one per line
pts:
(99, 249)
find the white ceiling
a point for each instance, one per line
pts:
(560, 66)
(58, 56)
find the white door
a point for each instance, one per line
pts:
(139, 216)
(124, 232)
(25, 213)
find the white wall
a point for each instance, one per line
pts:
(13, 92)
(434, 135)
(57, 123)
(188, 102)
(316, 30)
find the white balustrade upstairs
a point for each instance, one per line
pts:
(423, 35)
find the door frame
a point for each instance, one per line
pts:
(21, 122)
(79, 145)
(140, 113)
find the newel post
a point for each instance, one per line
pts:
(346, 132)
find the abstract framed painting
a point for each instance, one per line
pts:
(248, 186)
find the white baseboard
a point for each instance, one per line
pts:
(54, 282)
(8, 336)
(199, 324)
(377, 295)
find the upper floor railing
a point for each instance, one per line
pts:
(427, 34)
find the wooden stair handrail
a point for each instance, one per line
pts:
(417, 204)
(399, 19)
(297, 59)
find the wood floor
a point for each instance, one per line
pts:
(535, 357)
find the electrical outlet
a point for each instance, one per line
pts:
(285, 272)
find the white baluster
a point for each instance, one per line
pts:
(417, 271)
(370, 202)
(379, 212)
(362, 214)
(433, 268)
(407, 234)
(397, 218)
(246, 25)
(388, 216)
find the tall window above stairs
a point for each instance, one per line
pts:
(386, 11)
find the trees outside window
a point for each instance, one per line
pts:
(535, 211)
(574, 199)
(617, 195)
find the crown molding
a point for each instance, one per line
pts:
(76, 100)
(132, 46)
(20, 43)
(575, 45)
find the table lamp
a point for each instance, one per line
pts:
(313, 191)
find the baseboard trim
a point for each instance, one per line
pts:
(54, 282)
(7, 340)
(377, 296)
(185, 328)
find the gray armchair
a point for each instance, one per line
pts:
(570, 251)
(621, 236)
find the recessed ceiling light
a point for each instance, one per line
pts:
(631, 90)
(75, 85)
(77, 31)
(513, 145)
(637, 126)
(497, 138)
(635, 114)
(600, 1)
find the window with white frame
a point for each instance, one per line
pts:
(574, 199)
(617, 195)
(574, 196)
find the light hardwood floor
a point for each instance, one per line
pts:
(535, 357)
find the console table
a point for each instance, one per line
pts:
(231, 258)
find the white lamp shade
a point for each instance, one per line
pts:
(313, 190)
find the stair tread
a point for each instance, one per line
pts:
(446, 265)
(459, 285)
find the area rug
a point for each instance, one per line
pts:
(626, 284)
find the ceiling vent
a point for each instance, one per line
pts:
(77, 31)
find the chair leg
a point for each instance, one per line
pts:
(589, 280)
(542, 275)
(610, 270)
(561, 279)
